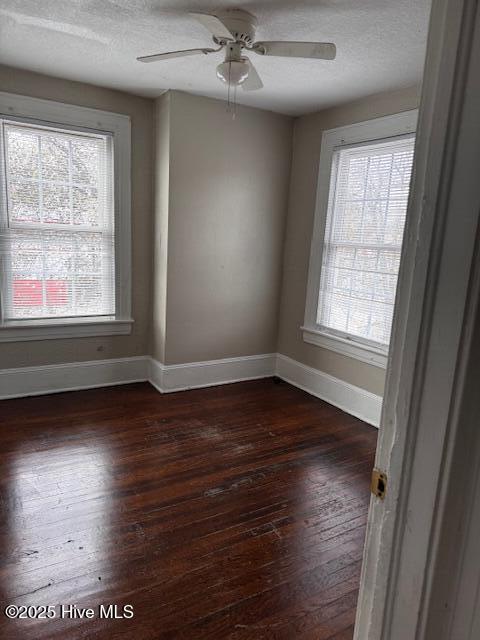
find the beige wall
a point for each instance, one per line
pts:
(226, 216)
(306, 155)
(18, 354)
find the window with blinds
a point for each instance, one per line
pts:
(368, 198)
(57, 226)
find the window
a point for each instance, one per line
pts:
(363, 239)
(362, 213)
(59, 230)
(63, 223)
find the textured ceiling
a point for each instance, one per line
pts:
(380, 46)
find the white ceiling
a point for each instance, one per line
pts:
(380, 46)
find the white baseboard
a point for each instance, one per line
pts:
(195, 375)
(353, 400)
(54, 378)
(30, 381)
(155, 374)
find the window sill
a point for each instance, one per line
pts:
(365, 353)
(20, 331)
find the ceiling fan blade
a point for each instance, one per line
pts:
(253, 82)
(318, 50)
(174, 54)
(214, 25)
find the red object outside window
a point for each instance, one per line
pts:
(29, 293)
(57, 292)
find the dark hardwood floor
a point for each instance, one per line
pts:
(235, 512)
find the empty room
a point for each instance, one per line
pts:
(239, 320)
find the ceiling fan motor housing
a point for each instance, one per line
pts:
(240, 23)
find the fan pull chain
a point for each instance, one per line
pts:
(229, 87)
(231, 106)
(234, 113)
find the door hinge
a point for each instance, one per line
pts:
(379, 484)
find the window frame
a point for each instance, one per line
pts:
(69, 117)
(361, 133)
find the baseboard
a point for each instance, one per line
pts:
(195, 375)
(353, 400)
(155, 374)
(30, 381)
(72, 376)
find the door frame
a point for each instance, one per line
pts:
(436, 311)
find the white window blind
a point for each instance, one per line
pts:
(57, 227)
(369, 190)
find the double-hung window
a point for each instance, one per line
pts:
(63, 250)
(362, 202)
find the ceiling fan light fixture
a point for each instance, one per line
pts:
(233, 72)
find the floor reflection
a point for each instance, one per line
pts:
(57, 520)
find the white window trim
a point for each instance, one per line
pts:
(361, 132)
(346, 346)
(60, 115)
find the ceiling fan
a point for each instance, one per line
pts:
(234, 30)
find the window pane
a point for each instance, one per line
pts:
(86, 206)
(55, 203)
(85, 161)
(363, 238)
(24, 201)
(23, 153)
(54, 158)
(58, 274)
(57, 178)
(60, 236)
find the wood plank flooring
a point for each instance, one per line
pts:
(235, 512)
